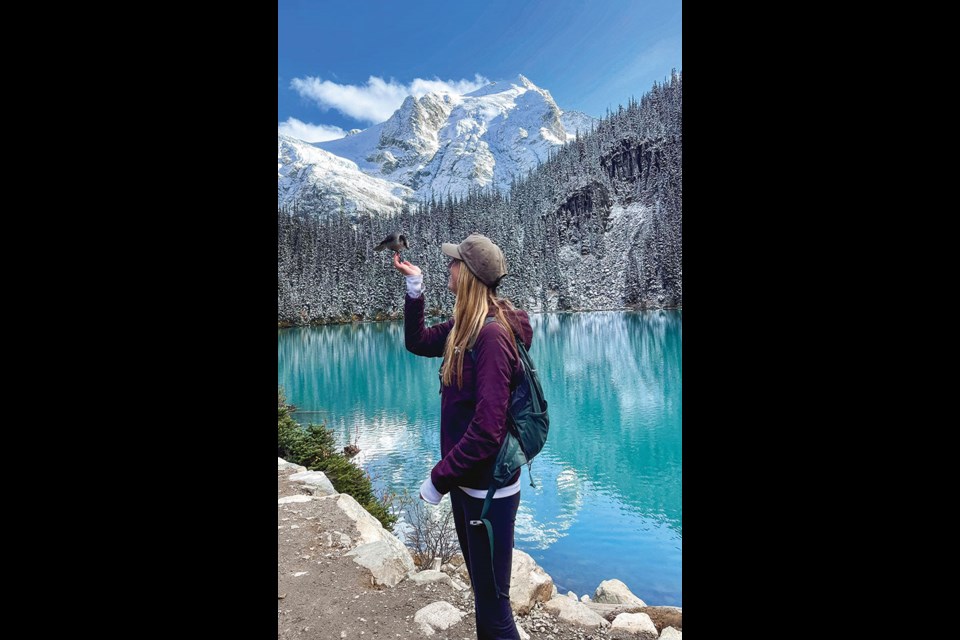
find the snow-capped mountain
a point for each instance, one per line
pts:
(445, 144)
(601, 227)
(574, 120)
(313, 177)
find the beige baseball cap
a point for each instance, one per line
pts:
(484, 259)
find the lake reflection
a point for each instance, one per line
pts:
(608, 500)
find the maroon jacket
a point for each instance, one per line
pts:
(473, 420)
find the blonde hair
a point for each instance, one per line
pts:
(474, 300)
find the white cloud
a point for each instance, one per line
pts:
(377, 100)
(309, 132)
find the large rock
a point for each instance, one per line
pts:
(630, 626)
(665, 616)
(437, 616)
(615, 592)
(669, 633)
(379, 550)
(316, 480)
(283, 464)
(386, 566)
(292, 499)
(369, 528)
(574, 612)
(529, 584)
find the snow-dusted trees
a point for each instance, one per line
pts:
(597, 225)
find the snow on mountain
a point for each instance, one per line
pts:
(575, 120)
(445, 144)
(316, 178)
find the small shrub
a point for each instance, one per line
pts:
(433, 533)
(315, 448)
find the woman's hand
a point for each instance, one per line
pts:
(406, 268)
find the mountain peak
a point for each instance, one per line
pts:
(519, 81)
(523, 81)
(445, 143)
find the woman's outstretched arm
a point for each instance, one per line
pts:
(419, 339)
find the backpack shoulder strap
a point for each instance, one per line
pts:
(470, 346)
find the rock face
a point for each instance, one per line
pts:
(615, 592)
(529, 583)
(316, 480)
(671, 634)
(437, 616)
(574, 612)
(633, 625)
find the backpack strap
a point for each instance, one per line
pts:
(489, 527)
(474, 341)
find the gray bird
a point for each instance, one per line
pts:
(395, 242)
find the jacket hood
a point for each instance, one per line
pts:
(520, 323)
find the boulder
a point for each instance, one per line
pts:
(633, 626)
(529, 583)
(370, 529)
(575, 613)
(386, 566)
(437, 616)
(665, 616)
(615, 592)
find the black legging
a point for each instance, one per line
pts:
(494, 617)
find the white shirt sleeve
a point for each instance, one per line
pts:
(429, 492)
(414, 286)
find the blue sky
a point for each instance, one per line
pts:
(349, 64)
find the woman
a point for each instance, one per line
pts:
(475, 389)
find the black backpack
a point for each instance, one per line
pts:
(527, 427)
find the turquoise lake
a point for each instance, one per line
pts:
(608, 500)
